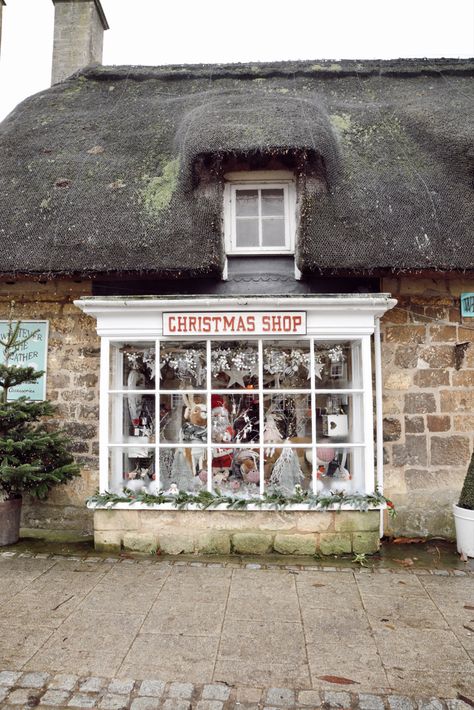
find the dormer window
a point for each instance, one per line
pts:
(260, 213)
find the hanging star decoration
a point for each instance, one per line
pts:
(236, 364)
(236, 376)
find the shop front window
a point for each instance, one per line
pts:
(239, 416)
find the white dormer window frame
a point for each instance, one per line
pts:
(258, 181)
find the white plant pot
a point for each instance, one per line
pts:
(464, 522)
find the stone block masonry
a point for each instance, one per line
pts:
(72, 385)
(227, 531)
(428, 363)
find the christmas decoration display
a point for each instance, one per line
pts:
(234, 365)
(338, 362)
(335, 423)
(318, 366)
(246, 425)
(34, 454)
(140, 361)
(187, 364)
(182, 474)
(286, 472)
(325, 455)
(221, 432)
(194, 429)
(166, 462)
(245, 466)
(285, 364)
(335, 474)
(271, 433)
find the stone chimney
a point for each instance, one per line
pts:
(2, 3)
(78, 36)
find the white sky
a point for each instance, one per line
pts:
(209, 31)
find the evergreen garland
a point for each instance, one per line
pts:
(276, 500)
(34, 456)
(466, 499)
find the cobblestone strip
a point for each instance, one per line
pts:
(241, 564)
(61, 691)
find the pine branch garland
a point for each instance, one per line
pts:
(276, 500)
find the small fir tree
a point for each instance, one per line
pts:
(34, 457)
(466, 499)
(286, 473)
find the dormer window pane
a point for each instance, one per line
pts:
(273, 232)
(247, 232)
(259, 217)
(272, 203)
(246, 203)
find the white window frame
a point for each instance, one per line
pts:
(341, 318)
(258, 180)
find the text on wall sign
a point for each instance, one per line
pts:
(467, 305)
(235, 323)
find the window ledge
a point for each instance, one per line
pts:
(301, 507)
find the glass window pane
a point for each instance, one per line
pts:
(340, 470)
(246, 232)
(234, 365)
(132, 366)
(337, 365)
(132, 419)
(234, 418)
(246, 203)
(339, 418)
(132, 468)
(286, 364)
(183, 365)
(236, 471)
(273, 232)
(287, 469)
(273, 202)
(183, 418)
(182, 468)
(287, 418)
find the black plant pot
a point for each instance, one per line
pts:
(10, 513)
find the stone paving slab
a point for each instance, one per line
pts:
(148, 633)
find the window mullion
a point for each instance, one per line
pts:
(260, 236)
(313, 420)
(261, 416)
(208, 409)
(105, 365)
(157, 415)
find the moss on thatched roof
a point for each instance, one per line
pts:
(104, 172)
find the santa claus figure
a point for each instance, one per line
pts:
(222, 432)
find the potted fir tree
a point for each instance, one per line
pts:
(34, 457)
(464, 514)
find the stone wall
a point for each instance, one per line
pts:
(428, 362)
(241, 532)
(72, 385)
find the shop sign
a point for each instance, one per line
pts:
(467, 305)
(235, 323)
(32, 352)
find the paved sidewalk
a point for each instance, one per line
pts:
(121, 633)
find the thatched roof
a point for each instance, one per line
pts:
(121, 168)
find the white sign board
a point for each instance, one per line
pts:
(234, 323)
(32, 352)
